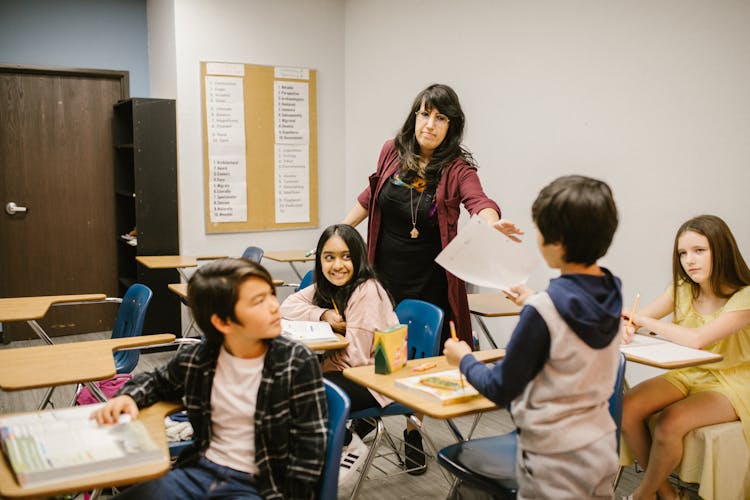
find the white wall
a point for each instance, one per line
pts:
(649, 96)
(304, 33)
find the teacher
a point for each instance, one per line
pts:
(413, 204)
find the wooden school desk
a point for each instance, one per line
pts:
(179, 262)
(30, 309)
(152, 417)
(491, 305)
(290, 256)
(366, 376)
(62, 364)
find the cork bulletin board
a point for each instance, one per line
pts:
(260, 152)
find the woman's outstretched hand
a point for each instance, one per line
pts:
(508, 229)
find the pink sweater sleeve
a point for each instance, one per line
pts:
(299, 306)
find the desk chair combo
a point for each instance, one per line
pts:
(489, 464)
(425, 323)
(128, 323)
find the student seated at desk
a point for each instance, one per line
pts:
(561, 361)
(347, 295)
(710, 302)
(256, 400)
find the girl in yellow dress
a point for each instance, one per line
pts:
(710, 302)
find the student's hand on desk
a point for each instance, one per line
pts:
(522, 292)
(110, 412)
(335, 320)
(508, 229)
(455, 350)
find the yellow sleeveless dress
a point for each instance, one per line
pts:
(731, 376)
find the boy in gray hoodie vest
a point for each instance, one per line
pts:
(561, 361)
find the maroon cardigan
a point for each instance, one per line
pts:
(458, 184)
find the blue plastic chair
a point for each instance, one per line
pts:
(253, 253)
(425, 323)
(338, 412)
(128, 323)
(307, 280)
(490, 463)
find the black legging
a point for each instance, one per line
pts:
(360, 397)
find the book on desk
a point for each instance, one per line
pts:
(657, 351)
(444, 387)
(58, 445)
(309, 332)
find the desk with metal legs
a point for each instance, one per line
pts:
(30, 309)
(290, 256)
(491, 305)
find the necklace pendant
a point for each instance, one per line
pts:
(414, 233)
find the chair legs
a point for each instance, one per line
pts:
(379, 429)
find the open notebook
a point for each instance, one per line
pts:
(442, 387)
(58, 445)
(308, 332)
(657, 351)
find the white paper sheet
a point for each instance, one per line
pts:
(482, 255)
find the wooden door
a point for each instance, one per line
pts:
(57, 160)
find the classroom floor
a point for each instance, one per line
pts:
(431, 485)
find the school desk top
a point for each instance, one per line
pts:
(30, 308)
(492, 305)
(366, 376)
(173, 261)
(61, 364)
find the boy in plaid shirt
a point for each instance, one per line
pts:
(255, 399)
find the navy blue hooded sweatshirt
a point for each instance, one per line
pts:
(590, 305)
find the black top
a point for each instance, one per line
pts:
(406, 265)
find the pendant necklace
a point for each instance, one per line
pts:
(413, 211)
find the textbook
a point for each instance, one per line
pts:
(58, 445)
(308, 332)
(443, 387)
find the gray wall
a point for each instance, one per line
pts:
(93, 34)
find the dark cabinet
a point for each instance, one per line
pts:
(146, 202)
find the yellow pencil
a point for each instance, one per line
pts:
(334, 306)
(632, 312)
(454, 337)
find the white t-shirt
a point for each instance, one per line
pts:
(233, 398)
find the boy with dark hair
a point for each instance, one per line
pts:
(561, 361)
(256, 400)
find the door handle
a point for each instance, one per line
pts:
(11, 208)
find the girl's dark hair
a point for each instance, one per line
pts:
(444, 99)
(325, 291)
(214, 289)
(729, 272)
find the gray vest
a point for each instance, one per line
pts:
(566, 406)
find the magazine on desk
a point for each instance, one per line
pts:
(309, 332)
(58, 445)
(443, 387)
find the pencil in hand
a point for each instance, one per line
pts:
(454, 337)
(632, 311)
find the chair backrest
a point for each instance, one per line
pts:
(253, 253)
(615, 400)
(307, 280)
(129, 323)
(338, 412)
(425, 323)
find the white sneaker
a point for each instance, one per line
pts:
(352, 457)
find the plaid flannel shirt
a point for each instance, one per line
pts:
(290, 417)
